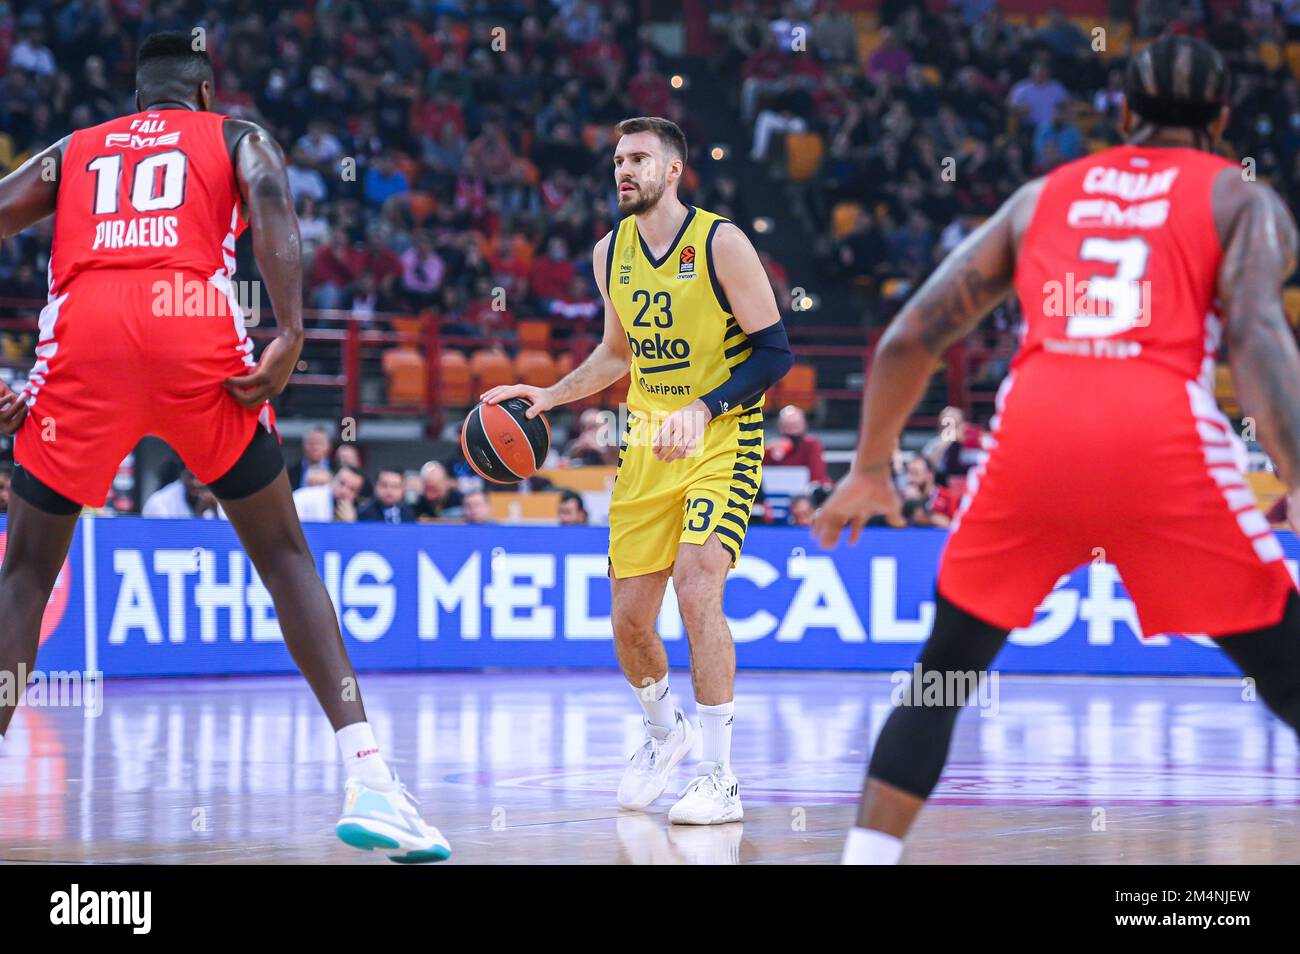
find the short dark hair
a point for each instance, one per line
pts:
(389, 470)
(168, 64)
(669, 133)
(570, 495)
(1177, 81)
(349, 469)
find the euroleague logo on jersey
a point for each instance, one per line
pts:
(686, 261)
(58, 603)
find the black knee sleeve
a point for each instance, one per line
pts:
(260, 464)
(1271, 657)
(913, 744)
(40, 495)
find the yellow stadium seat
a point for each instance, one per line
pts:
(404, 373)
(799, 387)
(1224, 392)
(1270, 55)
(1293, 58)
(1291, 302)
(535, 368)
(491, 368)
(534, 334)
(454, 385)
(844, 218)
(803, 153)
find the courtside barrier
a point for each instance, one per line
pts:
(142, 597)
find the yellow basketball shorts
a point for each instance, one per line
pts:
(655, 506)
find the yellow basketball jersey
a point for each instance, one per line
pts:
(683, 336)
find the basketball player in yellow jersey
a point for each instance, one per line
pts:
(689, 309)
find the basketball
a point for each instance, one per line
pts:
(502, 443)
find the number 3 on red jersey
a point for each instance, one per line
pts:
(1116, 299)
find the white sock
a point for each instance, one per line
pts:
(715, 723)
(657, 701)
(2, 740)
(866, 846)
(361, 755)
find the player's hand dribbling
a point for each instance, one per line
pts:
(539, 398)
(858, 498)
(680, 434)
(12, 410)
(271, 376)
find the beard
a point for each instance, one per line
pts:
(642, 200)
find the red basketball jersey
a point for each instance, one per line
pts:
(1121, 259)
(152, 190)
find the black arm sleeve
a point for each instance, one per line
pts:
(767, 363)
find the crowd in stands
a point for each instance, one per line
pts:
(928, 120)
(441, 162)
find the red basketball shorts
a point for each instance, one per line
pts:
(118, 358)
(1095, 459)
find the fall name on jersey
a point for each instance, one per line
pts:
(157, 231)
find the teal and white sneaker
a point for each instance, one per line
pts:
(389, 820)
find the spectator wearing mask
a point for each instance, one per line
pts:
(388, 504)
(573, 512)
(335, 502)
(183, 498)
(796, 447)
(439, 494)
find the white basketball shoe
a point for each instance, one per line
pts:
(710, 799)
(653, 763)
(388, 820)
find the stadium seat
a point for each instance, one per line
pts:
(844, 218)
(491, 368)
(799, 387)
(1224, 392)
(1266, 486)
(932, 75)
(1270, 55)
(404, 373)
(1291, 303)
(536, 368)
(1293, 58)
(803, 155)
(534, 334)
(411, 329)
(455, 388)
(564, 363)
(536, 507)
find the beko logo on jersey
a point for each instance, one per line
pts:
(659, 348)
(132, 141)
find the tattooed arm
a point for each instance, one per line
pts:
(1259, 242)
(962, 290)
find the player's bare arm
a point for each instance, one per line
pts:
(1259, 241)
(607, 362)
(264, 190)
(962, 290)
(749, 293)
(27, 195)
